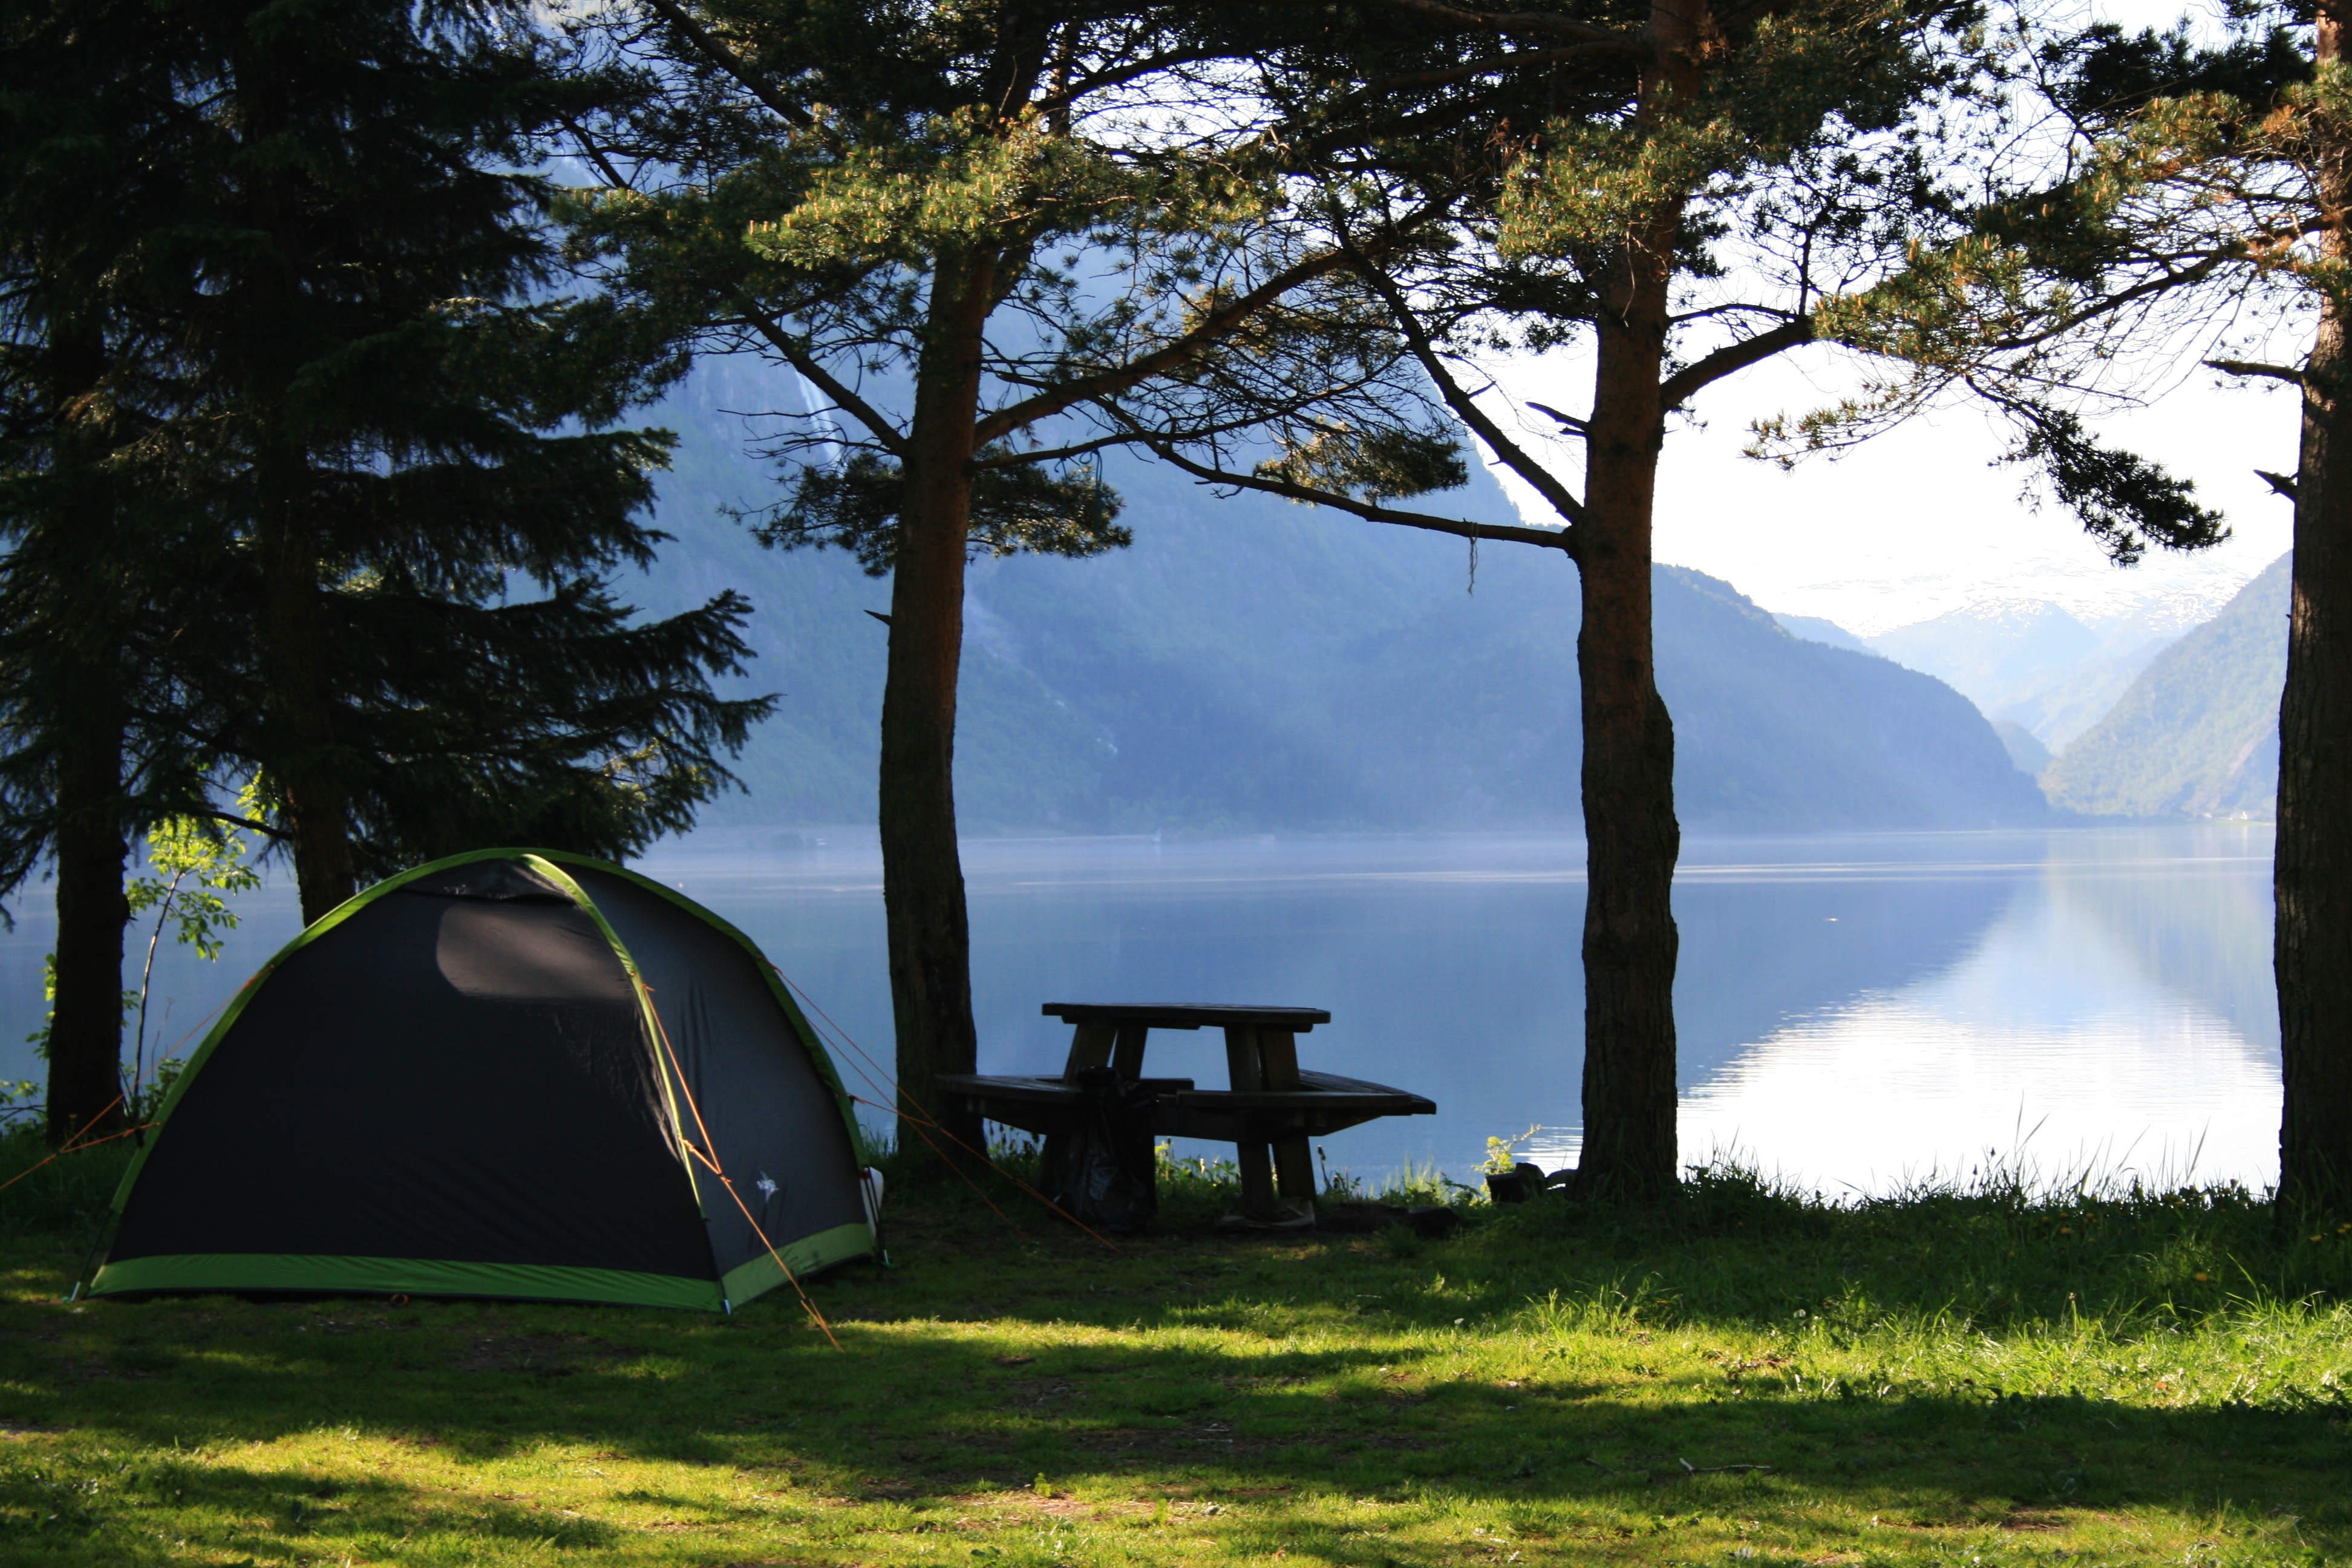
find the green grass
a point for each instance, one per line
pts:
(1987, 1377)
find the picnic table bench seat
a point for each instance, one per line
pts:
(1272, 1108)
(1323, 1103)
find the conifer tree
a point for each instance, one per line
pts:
(1620, 147)
(98, 571)
(2199, 210)
(1685, 192)
(994, 240)
(296, 417)
(402, 419)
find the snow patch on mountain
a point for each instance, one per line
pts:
(2163, 596)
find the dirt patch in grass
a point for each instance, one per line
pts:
(1029, 1393)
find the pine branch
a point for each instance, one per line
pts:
(1601, 49)
(1500, 21)
(2117, 303)
(2253, 368)
(1217, 326)
(796, 355)
(725, 60)
(1465, 408)
(594, 155)
(1119, 75)
(1561, 539)
(1130, 434)
(1683, 384)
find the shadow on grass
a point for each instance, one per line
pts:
(263, 1512)
(924, 1409)
(1741, 1353)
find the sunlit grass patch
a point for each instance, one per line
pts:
(1961, 1377)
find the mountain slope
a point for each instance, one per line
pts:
(1813, 628)
(2025, 748)
(2057, 705)
(2033, 662)
(1774, 731)
(1247, 666)
(1986, 651)
(2197, 734)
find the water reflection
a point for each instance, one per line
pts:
(2106, 1006)
(1850, 1010)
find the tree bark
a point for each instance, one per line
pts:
(2311, 868)
(1632, 840)
(85, 1031)
(922, 873)
(317, 801)
(87, 723)
(307, 765)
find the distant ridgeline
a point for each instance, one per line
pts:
(2197, 734)
(1248, 666)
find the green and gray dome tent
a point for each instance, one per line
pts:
(482, 1078)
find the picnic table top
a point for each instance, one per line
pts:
(1156, 1016)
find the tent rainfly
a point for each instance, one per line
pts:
(513, 1073)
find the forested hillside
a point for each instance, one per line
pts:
(2031, 663)
(2197, 734)
(1247, 666)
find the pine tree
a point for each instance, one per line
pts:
(2201, 210)
(1686, 192)
(994, 240)
(294, 414)
(1621, 151)
(93, 133)
(402, 419)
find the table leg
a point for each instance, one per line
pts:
(1246, 1070)
(1242, 1065)
(1245, 1061)
(1277, 1054)
(1090, 1047)
(1257, 1181)
(1128, 1056)
(1278, 1058)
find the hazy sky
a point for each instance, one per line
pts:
(1918, 522)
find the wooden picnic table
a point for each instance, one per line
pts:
(1270, 1113)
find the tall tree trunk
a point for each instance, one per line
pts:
(2312, 869)
(308, 768)
(86, 713)
(1632, 840)
(922, 873)
(86, 1033)
(1631, 836)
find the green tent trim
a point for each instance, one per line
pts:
(328, 1275)
(805, 1255)
(233, 1271)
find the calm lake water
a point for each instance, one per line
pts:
(1854, 1011)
